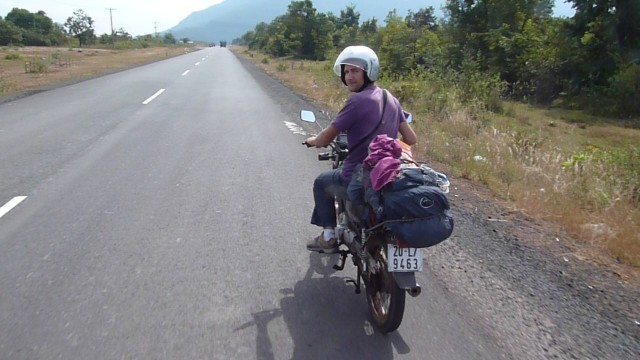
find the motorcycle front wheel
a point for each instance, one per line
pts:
(385, 299)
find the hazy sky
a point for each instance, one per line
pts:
(139, 17)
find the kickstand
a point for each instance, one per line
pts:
(341, 262)
(356, 283)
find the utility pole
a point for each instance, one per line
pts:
(155, 28)
(113, 40)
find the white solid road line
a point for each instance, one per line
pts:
(185, 73)
(153, 97)
(11, 204)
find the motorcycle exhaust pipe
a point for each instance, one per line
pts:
(414, 291)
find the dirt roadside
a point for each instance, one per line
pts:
(29, 70)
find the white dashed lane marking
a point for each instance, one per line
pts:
(295, 128)
(153, 97)
(11, 204)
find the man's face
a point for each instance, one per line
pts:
(354, 77)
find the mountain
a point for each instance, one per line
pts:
(230, 19)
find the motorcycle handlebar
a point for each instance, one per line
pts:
(336, 151)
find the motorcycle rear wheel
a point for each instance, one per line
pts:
(385, 299)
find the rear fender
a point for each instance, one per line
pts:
(405, 280)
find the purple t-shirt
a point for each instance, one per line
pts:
(359, 116)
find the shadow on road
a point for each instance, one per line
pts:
(326, 319)
(264, 348)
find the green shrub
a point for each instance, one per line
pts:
(282, 67)
(479, 86)
(265, 60)
(5, 86)
(36, 66)
(41, 66)
(406, 91)
(615, 173)
(624, 91)
(12, 56)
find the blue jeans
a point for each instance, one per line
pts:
(327, 186)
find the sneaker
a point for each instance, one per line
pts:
(324, 247)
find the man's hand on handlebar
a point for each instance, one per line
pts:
(310, 142)
(324, 138)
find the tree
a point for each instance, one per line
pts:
(123, 35)
(422, 21)
(346, 27)
(169, 39)
(423, 18)
(58, 36)
(368, 31)
(80, 25)
(119, 35)
(279, 43)
(370, 26)
(397, 49)
(44, 24)
(322, 34)
(261, 36)
(608, 34)
(35, 28)
(21, 18)
(430, 51)
(349, 17)
(499, 34)
(607, 40)
(9, 33)
(628, 25)
(300, 21)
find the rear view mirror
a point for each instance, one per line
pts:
(409, 117)
(308, 116)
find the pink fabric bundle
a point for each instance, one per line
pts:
(383, 161)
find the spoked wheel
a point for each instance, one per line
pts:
(385, 298)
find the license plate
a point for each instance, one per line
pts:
(404, 259)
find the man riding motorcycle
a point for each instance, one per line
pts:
(368, 112)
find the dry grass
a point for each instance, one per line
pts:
(577, 177)
(567, 172)
(25, 68)
(310, 78)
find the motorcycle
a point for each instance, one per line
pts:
(386, 267)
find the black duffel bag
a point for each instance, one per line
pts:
(416, 209)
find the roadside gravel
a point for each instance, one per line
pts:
(519, 277)
(525, 283)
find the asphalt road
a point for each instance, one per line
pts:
(173, 227)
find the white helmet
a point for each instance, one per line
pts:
(358, 56)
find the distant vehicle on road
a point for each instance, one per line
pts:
(212, 45)
(223, 43)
